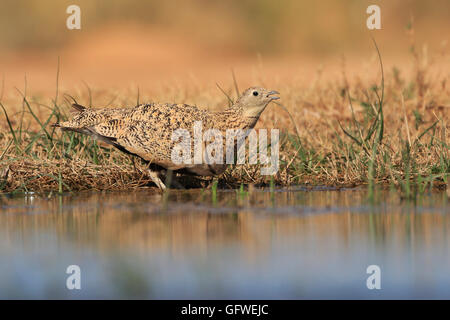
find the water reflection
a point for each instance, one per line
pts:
(293, 244)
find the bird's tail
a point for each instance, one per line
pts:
(77, 108)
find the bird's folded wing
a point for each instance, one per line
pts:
(139, 137)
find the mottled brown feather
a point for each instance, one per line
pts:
(146, 130)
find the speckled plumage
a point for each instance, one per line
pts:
(146, 130)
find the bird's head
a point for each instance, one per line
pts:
(254, 100)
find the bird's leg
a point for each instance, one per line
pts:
(154, 175)
(134, 165)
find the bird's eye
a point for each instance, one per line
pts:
(255, 93)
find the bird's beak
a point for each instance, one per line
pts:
(272, 98)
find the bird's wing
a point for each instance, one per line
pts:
(143, 138)
(146, 130)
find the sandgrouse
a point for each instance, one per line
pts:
(146, 129)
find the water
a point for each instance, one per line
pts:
(295, 243)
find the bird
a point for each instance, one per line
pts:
(146, 130)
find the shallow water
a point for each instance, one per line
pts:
(294, 243)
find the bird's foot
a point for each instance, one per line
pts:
(154, 175)
(158, 177)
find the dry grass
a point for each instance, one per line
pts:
(352, 132)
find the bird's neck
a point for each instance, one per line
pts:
(234, 118)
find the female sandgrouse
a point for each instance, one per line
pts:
(146, 130)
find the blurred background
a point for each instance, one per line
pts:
(296, 244)
(125, 43)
